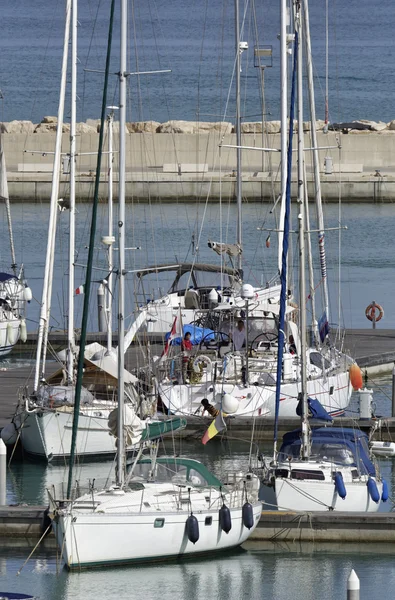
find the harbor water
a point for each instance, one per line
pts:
(179, 232)
(281, 571)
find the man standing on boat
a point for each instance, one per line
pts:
(238, 335)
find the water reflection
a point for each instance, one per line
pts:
(290, 571)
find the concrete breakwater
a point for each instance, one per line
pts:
(182, 161)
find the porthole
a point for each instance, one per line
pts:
(159, 523)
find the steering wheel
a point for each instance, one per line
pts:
(267, 338)
(220, 339)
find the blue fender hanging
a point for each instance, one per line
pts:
(339, 485)
(373, 490)
(192, 527)
(384, 493)
(248, 515)
(225, 519)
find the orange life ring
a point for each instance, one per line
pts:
(370, 312)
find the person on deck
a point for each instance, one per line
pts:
(292, 345)
(209, 408)
(238, 335)
(186, 348)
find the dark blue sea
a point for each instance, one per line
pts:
(196, 41)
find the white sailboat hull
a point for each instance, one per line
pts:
(47, 434)
(333, 393)
(90, 540)
(320, 495)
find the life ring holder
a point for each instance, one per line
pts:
(202, 358)
(370, 312)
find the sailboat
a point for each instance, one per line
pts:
(14, 291)
(197, 286)
(43, 417)
(147, 514)
(317, 468)
(250, 375)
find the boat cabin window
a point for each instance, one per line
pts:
(318, 360)
(309, 474)
(201, 279)
(159, 523)
(170, 473)
(336, 453)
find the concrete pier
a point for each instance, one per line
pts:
(363, 171)
(30, 522)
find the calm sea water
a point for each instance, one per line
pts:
(164, 235)
(198, 47)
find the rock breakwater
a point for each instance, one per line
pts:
(49, 125)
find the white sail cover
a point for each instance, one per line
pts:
(133, 427)
(229, 249)
(135, 326)
(3, 173)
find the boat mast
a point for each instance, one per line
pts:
(238, 138)
(284, 259)
(4, 196)
(120, 475)
(89, 266)
(49, 260)
(301, 223)
(73, 119)
(110, 121)
(283, 117)
(317, 181)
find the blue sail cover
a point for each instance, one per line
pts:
(197, 334)
(316, 410)
(6, 277)
(325, 441)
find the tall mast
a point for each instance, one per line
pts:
(284, 258)
(4, 196)
(89, 266)
(110, 121)
(301, 222)
(48, 274)
(283, 96)
(238, 137)
(70, 327)
(317, 181)
(121, 242)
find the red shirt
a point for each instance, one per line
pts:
(186, 345)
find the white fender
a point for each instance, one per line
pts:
(12, 333)
(230, 404)
(27, 294)
(23, 328)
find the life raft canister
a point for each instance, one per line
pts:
(374, 311)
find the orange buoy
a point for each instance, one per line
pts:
(356, 377)
(374, 312)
